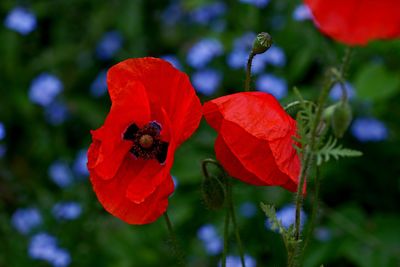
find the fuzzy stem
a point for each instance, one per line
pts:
(248, 72)
(226, 237)
(174, 243)
(235, 226)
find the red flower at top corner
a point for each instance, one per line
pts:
(154, 109)
(254, 142)
(356, 22)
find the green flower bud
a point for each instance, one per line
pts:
(213, 193)
(262, 43)
(341, 118)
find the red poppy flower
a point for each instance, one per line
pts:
(154, 109)
(254, 142)
(355, 22)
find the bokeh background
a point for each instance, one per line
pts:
(54, 58)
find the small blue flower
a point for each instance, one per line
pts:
(172, 14)
(234, 261)
(43, 246)
(2, 131)
(173, 60)
(99, 85)
(109, 45)
(20, 20)
(271, 84)
(60, 174)
(237, 59)
(3, 150)
(80, 167)
(201, 53)
(244, 42)
(247, 209)
(286, 215)
(257, 3)
(275, 56)
(67, 210)
(323, 234)
(302, 12)
(336, 91)
(369, 130)
(44, 89)
(208, 12)
(206, 81)
(56, 113)
(24, 220)
(211, 240)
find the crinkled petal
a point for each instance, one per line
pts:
(356, 22)
(166, 86)
(256, 112)
(131, 106)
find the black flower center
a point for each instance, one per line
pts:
(146, 141)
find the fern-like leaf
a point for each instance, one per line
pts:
(332, 150)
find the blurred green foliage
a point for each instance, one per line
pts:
(360, 212)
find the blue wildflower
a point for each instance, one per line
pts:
(302, 12)
(237, 59)
(257, 3)
(286, 215)
(234, 261)
(173, 60)
(369, 130)
(271, 84)
(79, 166)
(20, 20)
(2, 131)
(275, 56)
(211, 240)
(99, 85)
(24, 220)
(56, 113)
(244, 42)
(206, 13)
(44, 88)
(336, 91)
(60, 174)
(172, 14)
(109, 45)
(247, 209)
(67, 210)
(43, 246)
(206, 81)
(323, 234)
(3, 150)
(203, 52)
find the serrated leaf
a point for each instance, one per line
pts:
(330, 149)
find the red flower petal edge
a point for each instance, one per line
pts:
(356, 22)
(254, 142)
(154, 109)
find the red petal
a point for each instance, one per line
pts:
(355, 22)
(131, 106)
(254, 141)
(166, 87)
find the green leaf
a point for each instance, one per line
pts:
(375, 82)
(331, 150)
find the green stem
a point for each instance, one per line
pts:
(314, 208)
(226, 238)
(248, 72)
(173, 241)
(235, 226)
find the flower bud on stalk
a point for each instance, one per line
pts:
(213, 192)
(262, 43)
(341, 118)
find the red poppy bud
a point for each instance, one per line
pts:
(254, 142)
(356, 22)
(154, 109)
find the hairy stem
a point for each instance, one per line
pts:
(226, 237)
(248, 72)
(173, 241)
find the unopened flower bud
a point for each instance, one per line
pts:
(213, 192)
(341, 118)
(262, 43)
